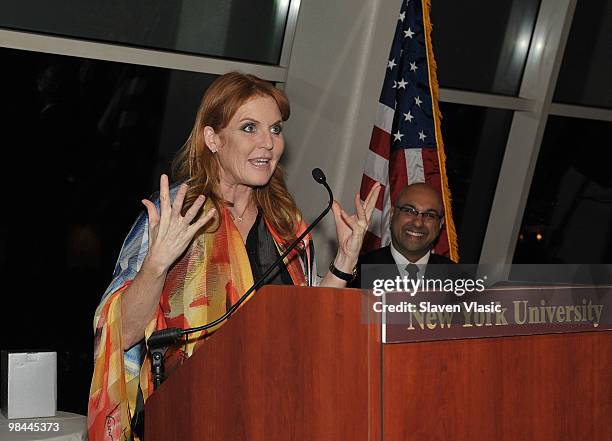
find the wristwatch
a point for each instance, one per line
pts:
(347, 277)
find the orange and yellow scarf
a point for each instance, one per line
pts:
(199, 288)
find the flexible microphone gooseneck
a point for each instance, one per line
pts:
(166, 337)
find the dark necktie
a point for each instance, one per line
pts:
(412, 271)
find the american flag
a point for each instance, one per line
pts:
(406, 144)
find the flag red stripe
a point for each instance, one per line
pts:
(366, 184)
(432, 170)
(442, 247)
(398, 175)
(380, 142)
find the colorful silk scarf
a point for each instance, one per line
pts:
(199, 288)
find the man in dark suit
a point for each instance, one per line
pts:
(416, 221)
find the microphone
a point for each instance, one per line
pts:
(166, 337)
(318, 175)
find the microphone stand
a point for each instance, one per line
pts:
(159, 341)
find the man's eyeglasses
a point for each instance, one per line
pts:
(427, 216)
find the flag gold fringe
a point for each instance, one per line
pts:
(451, 232)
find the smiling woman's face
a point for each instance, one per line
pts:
(251, 144)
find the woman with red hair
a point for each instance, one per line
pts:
(204, 242)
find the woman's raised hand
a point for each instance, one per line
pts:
(170, 232)
(351, 229)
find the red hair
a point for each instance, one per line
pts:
(197, 166)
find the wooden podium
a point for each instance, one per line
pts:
(303, 364)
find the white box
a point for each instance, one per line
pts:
(29, 384)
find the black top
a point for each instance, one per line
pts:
(262, 253)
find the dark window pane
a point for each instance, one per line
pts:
(83, 142)
(587, 64)
(568, 217)
(475, 140)
(482, 45)
(250, 30)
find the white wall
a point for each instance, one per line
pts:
(336, 70)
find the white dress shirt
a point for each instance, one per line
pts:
(401, 262)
